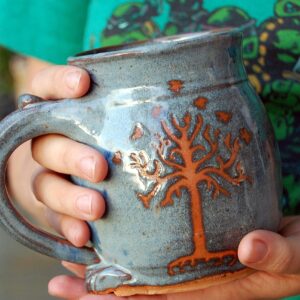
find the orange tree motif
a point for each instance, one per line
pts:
(178, 151)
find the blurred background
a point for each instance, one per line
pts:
(6, 83)
(24, 274)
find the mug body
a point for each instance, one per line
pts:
(193, 165)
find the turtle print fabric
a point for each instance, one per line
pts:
(271, 52)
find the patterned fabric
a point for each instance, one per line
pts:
(271, 51)
(271, 47)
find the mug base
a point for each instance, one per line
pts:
(128, 290)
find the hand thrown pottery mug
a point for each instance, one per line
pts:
(192, 157)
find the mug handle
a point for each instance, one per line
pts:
(36, 119)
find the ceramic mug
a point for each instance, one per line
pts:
(193, 164)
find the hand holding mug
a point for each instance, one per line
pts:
(193, 165)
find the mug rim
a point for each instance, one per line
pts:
(155, 45)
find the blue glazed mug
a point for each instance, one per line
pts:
(192, 157)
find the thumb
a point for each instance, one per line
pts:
(270, 252)
(56, 82)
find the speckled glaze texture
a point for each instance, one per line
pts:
(193, 165)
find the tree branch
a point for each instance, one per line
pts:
(233, 154)
(197, 128)
(170, 135)
(187, 122)
(146, 199)
(174, 188)
(141, 163)
(169, 163)
(221, 172)
(176, 150)
(227, 141)
(213, 145)
(198, 148)
(212, 183)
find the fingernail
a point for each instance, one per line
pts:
(84, 204)
(257, 252)
(88, 167)
(73, 79)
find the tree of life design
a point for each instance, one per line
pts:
(192, 163)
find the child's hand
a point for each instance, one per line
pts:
(278, 275)
(37, 178)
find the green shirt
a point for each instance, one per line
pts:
(53, 30)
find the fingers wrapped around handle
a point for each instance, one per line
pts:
(35, 120)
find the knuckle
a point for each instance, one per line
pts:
(35, 145)
(65, 158)
(75, 235)
(73, 230)
(63, 149)
(40, 82)
(61, 194)
(40, 146)
(58, 78)
(35, 83)
(37, 184)
(54, 220)
(282, 261)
